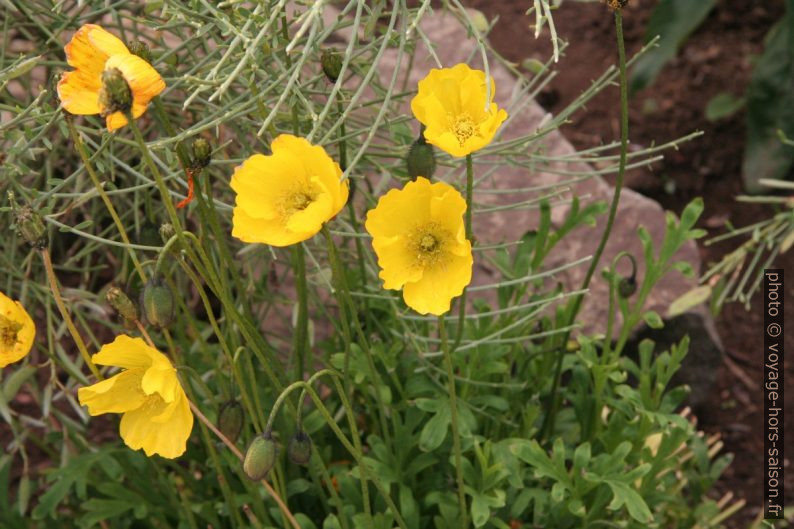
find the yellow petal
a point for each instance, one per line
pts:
(400, 210)
(143, 79)
(434, 292)
(116, 120)
(397, 263)
(20, 335)
(116, 394)
(79, 93)
(158, 427)
(252, 230)
(90, 47)
(160, 378)
(127, 352)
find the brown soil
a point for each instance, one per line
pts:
(717, 58)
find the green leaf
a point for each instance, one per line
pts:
(623, 494)
(690, 299)
(723, 105)
(435, 431)
(653, 320)
(12, 384)
(673, 21)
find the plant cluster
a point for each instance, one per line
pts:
(295, 340)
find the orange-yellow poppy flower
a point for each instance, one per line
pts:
(92, 52)
(452, 103)
(17, 331)
(156, 413)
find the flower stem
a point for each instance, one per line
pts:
(453, 413)
(469, 206)
(56, 293)
(81, 150)
(301, 327)
(576, 303)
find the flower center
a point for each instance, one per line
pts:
(428, 242)
(300, 201)
(9, 329)
(298, 198)
(463, 127)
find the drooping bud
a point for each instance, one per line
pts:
(299, 449)
(122, 303)
(141, 49)
(115, 94)
(627, 286)
(202, 154)
(331, 62)
(421, 159)
(29, 223)
(231, 419)
(157, 302)
(260, 456)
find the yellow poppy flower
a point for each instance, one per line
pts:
(452, 104)
(420, 240)
(93, 51)
(17, 331)
(156, 414)
(286, 197)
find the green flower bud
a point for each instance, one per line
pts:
(30, 224)
(231, 419)
(122, 303)
(115, 94)
(202, 154)
(617, 4)
(331, 62)
(141, 49)
(299, 449)
(260, 456)
(421, 160)
(627, 286)
(157, 302)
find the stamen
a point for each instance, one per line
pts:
(463, 127)
(9, 329)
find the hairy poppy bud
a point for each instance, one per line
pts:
(157, 302)
(115, 94)
(202, 154)
(617, 4)
(141, 49)
(299, 449)
(421, 160)
(30, 224)
(123, 304)
(167, 231)
(260, 456)
(231, 419)
(627, 286)
(331, 62)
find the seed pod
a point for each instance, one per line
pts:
(141, 49)
(115, 94)
(627, 286)
(260, 456)
(331, 62)
(231, 419)
(157, 302)
(299, 449)
(29, 224)
(122, 303)
(421, 160)
(202, 154)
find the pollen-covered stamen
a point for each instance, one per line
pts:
(463, 127)
(429, 242)
(298, 199)
(9, 329)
